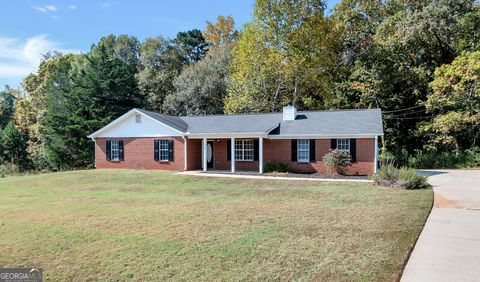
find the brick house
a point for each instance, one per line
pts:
(142, 139)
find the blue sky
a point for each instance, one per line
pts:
(32, 27)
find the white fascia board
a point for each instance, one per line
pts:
(316, 136)
(226, 135)
(124, 116)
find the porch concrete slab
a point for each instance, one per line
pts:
(255, 175)
(448, 248)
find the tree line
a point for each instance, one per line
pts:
(419, 61)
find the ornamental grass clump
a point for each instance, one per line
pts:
(390, 176)
(337, 161)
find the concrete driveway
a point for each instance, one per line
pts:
(449, 246)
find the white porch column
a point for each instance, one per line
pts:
(232, 154)
(375, 165)
(204, 154)
(260, 155)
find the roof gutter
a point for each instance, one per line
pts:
(322, 136)
(226, 135)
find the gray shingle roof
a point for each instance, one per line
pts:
(172, 121)
(333, 123)
(320, 123)
(232, 123)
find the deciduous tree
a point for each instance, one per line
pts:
(201, 87)
(160, 63)
(455, 102)
(222, 32)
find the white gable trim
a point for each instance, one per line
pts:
(126, 115)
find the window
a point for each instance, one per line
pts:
(303, 150)
(115, 150)
(163, 149)
(138, 118)
(244, 150)
(343, 144)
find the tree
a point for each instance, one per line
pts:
(256, 81)
(103, 87)
(191, 45)
(51, 79)
(279, 58)
(201, 87)
(455, 101)
(13, 147)
(389, 54)
(160, 63)
(469, 40)
(125, 48)
(222, 32)
(7, 105)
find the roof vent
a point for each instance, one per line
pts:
(289, 112)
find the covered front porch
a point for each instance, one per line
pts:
(242, 154)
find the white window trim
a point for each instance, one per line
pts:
(306, 149)
(243, 149)
(347, 144)
(115, 149)
(163, 147)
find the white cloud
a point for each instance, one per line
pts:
(51, 8)
(41, 9)
(19, 57)
(106, 4)
(72, 7)
(45, 8)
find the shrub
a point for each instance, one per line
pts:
(472, 157)
(407, 178)
(337, 161)
(454, 159)
(385, 158)
(434, 160)
(9, 169)
(387, 175)
(276, 167)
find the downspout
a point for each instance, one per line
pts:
(184, 153)
(375, 166)
(94, 152)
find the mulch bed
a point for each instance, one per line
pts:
(317, 175)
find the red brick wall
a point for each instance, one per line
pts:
(138, 154)
(194, 154)
(280, 151)
(220, 158)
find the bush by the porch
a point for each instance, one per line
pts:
(337, 161)
(275, 167)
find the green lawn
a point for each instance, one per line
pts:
(148, 225)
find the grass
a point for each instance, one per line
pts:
(148, 225)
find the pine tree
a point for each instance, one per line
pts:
(102, 89)
(13, 147)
